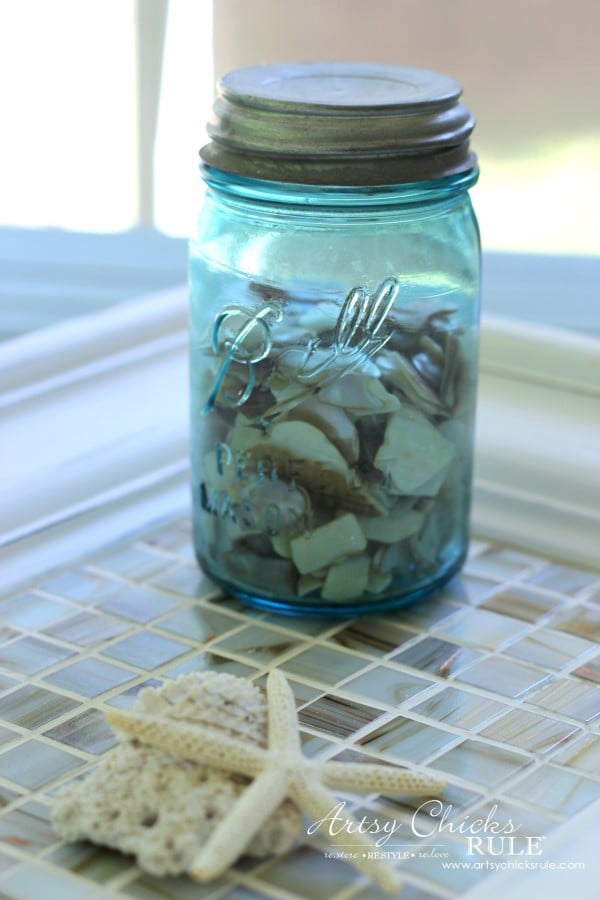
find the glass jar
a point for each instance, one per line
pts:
(334, 318)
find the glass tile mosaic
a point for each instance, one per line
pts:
(502, 564)
(147, 888)
(146, 650)
(437, 656)
(503, 676)
(508, 813)
(450, 804)
(557, 790)
(469, 589)
(564, 579)
(87, 731)
(31, 706)
(529, 731)
(6, 634)
(28, 827)
(6, 682)
(520, 601)
(138, 604)
(372, 636)
(8, 796)
(482, 764)
(7, 862)
(308, 873)
(126, 699)
(569, 697)
(94, 863)
(7, 735)
(24, 883)
(337, 716)
(201, 662)
(90, 677)
(133, 562)
(187, 581)
(30, 655)
(306, 625)
(457, 880)
(583, 621)
(409, 892)
(34, 764)
(259, 644)
(593, 596)
(582, 754)
(549, 649)
(481, 628)
(590, 670)
(86, 629)
(385, 686)
(325, 664)
(491, 684)
(82, 586)
(459, 708)
(405, 739)
(428, 613)
(200, 624)
(31, 611)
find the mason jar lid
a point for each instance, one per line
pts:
(338, 123)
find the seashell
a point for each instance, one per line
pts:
(450, 370)
(414, 454)
(281, 544)
(433, 350)
(360, 396)
(378, 581)
(328, 544)
(347, 579)
(398, 372)
(309, 583)
(391, 528)
(266, 572)
(318, 317)
(390, 558)
(300, 453)
(333, 422)
(429, 371)
(421, 315)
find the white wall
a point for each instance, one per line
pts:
(531, 74)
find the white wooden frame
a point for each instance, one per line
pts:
(95, 412)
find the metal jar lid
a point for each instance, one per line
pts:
(339, 124)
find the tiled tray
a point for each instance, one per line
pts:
(493, 683)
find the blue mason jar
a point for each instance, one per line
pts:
(334, 325)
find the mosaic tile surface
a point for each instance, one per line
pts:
(492, 684)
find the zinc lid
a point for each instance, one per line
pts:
(339, 124)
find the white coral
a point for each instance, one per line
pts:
(162, 809)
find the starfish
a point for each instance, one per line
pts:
(279, 771)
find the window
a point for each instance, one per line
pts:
(104, 113)
(95, 105)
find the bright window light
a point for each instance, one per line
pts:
(546, 200)
(185, 101)
(67, 71)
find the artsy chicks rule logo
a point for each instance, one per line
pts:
(486, 835)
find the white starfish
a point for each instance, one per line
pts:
(278, 772)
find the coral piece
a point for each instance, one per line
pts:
(279, 771)
(157, 804)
